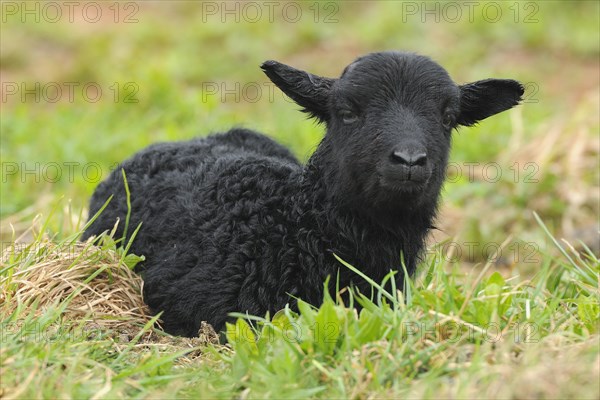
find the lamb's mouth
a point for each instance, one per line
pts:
(406, 185)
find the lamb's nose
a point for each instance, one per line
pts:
(409, 158)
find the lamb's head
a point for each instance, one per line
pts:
(389, 120)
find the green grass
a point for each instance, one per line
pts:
(443, 335)
(429, 340)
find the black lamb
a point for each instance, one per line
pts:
(234, 223)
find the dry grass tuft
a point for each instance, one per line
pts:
(93, 284)
(95, 287)
(552, 170)
(567, 153)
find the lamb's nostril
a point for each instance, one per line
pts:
(408, 158)
(419, 159)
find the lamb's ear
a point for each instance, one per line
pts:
(482, 99)
(308, 90)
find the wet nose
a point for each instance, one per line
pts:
(409, 158)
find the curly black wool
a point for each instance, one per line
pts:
(233, 222)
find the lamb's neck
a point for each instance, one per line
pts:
(355, 236)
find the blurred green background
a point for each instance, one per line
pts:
(143, 72)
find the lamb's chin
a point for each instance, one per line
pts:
(397, 200)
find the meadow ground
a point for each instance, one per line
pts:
(507, 301)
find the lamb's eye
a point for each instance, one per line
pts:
(447, 120)
(348, 117)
